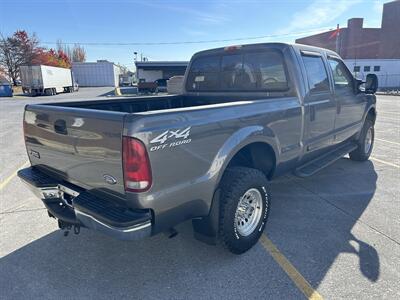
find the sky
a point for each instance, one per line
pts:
(121, 27)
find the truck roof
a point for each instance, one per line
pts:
(260, 46)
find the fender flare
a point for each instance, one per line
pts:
(206, 228)
(237, 141)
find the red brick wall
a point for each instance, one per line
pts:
(358, 42)
(390, 35)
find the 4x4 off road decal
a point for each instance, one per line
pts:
(171, 138)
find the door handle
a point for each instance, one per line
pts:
(60, 126)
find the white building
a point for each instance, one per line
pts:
(100, 73)
(387, 70)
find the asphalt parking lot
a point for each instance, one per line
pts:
(334, 235)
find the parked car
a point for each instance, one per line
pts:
(161, 85)
(46, 80)
(147, 87)
(132, 168)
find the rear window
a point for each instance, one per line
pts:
(203, 73)
(256, 71)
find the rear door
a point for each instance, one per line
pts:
(351, 105)
(319, 102)
(80, 146)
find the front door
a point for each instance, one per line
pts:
(351, 105)
(319, 102)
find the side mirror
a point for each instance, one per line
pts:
(371, 84)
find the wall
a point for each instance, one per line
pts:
(358, 42)
(149, 75)
(390, 46)
(95, 74)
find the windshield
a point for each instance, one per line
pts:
(254, 71)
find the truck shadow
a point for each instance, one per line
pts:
(311, 223)
(313, 219)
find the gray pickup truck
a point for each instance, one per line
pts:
(134, 167)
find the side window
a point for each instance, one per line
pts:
(316, 74)
(204, 74)
(341, 75)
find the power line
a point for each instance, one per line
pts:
(188, 42)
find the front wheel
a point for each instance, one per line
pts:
(244, 208)
(365, 142)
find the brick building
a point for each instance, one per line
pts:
(356, 42)
(367, 50)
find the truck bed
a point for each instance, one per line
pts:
(152, 103)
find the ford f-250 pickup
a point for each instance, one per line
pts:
(134, 167)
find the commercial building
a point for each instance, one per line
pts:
(150, 71)
(367, 50)
(100, 73)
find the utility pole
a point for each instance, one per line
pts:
(337, 39)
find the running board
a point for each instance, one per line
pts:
(325, 160)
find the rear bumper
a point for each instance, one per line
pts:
(75, 206)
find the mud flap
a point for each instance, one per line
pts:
(206, 229)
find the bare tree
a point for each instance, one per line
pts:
(78, 53)
(64, 48)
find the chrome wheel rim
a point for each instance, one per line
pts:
(368, 140)
(248, 212)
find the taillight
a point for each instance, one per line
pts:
(137, 171)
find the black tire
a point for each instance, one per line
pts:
(362, 153)
(48, 92)
(235, 183)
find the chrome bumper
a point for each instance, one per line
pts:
(135, 232)
(54, 196)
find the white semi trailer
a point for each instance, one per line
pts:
(46, 80)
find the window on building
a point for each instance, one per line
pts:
(341, 75)
(316, 74)
(377, 68)
(356, 69)
(367, 68)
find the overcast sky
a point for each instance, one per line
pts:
(176, 21)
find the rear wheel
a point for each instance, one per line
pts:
(365, 142)
(48, 92)
(245, 203)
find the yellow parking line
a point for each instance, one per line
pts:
(9, 178)
(385, 162)
(298, 279)
(386, 141)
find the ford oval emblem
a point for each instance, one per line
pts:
(109, 179)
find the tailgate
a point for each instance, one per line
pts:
(81, 146)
